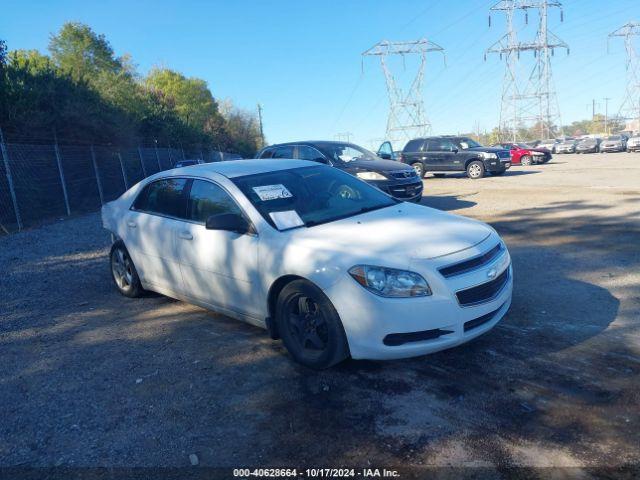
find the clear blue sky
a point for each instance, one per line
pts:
(301, 59)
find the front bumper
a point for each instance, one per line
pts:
(611, 148)
(633, 148)
(406, 190)
(370, 321)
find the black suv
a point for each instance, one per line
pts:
(454, 154)
(391, 177)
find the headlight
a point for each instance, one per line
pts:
(390, 282)
(487, 155)
(370, 176)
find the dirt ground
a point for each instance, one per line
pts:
(90, 378)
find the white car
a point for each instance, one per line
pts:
(323, 260)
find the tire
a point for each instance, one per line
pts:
(526, 160)
(123, 271)
(439, 175)
(309, 326)
(475, 169)
(419, 168)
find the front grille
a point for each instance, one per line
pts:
(405, 191)
(483, 293)
(402, 174)
(471, 264)
(476, 322)
(396, 339)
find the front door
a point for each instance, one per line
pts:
(218, 267)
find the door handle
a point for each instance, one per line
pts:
(131, 224)
(185, 236)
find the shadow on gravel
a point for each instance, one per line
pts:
(447, 202)
(93, 378)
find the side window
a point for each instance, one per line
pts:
(415, 146)
(309, 153)
(207, 199)
(284, 152)
(164, 197)
(268, 153)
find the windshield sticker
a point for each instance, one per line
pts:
(285, 220)
(272, 192)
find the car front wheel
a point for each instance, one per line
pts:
(526, 160)
(475, 169)
(309, 326)
(419, 168)
(124, 272)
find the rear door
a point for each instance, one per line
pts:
(439, 155)
(152, 223)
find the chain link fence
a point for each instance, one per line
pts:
(39, 182)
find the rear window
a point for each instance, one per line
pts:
(414, 146)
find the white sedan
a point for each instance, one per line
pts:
(328, 263)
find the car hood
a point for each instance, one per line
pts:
(375, 165)
(392, 236)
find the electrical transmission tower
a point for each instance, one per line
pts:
(407, 118)
(630, 106)
(533, 100)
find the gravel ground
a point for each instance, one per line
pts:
(90, 378)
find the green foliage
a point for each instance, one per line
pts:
(85, 93)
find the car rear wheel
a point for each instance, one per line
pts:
(309, 326)
(419, 168)
(475, 169)
(124, 272)
(526, 160)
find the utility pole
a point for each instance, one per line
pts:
(534, 100)
(262, 142)
(407, 117)
(606, 114)
(630, 106)
(343, 137)
(593, 109)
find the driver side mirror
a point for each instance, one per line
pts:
(230, 222)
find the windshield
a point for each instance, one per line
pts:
(588, 140)
(523, 145)
(466, 143)
(346, 152)
(309, 196)
(614, 137)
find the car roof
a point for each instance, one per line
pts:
(308, 142)
(240, 168)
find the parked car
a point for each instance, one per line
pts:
(633, 144)
(188, 163)
(391, 177)
(568, 145)
(325, 261)
(523, 154)
(443, 154)
(613, 143)
(548, 144)
(588, 145)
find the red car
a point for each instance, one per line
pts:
(523, 154)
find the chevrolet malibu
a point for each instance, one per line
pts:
(326, 262)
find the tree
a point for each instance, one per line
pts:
(80, 52)
(191, 97)
(3, 54)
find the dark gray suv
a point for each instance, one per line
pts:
(440, 155)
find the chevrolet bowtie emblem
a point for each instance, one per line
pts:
(491, 273)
